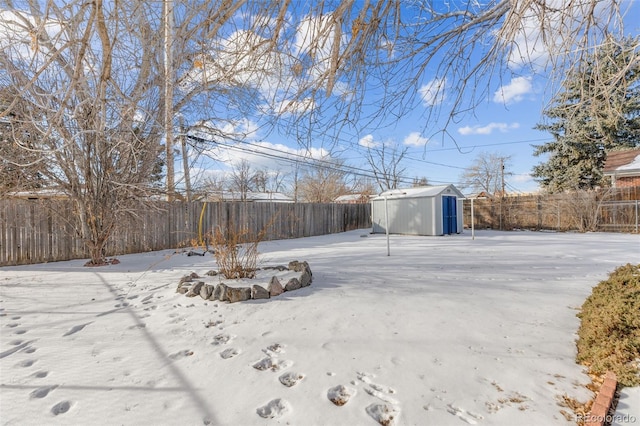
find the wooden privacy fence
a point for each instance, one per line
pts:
(46, 230)
(612, 210)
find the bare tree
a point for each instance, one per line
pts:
(242, 179)
(92, 115)
(19, 154)
(419, 181)
(487, 173)
(322, 183)
(386, 163)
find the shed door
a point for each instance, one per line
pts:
(449, 215)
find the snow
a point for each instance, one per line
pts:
(445, 331)
(634, 165)
(628, 407)
(417, 192)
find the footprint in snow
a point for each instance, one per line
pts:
(290, 379)
(379, 391)
(272, 364)
(26, 363)
(274, 349)
(181, 354)
(43, 391)
(18, 345)
(229, 353)
(464, 415)
(340, 395)
(385, 414)
(75, 329)
(274, 409)
(221, 339)
(40, 374)
(61, 407)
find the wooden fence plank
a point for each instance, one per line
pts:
(35, 231)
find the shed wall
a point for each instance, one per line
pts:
(413, 216)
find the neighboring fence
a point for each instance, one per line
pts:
(36, 231)
(613, 210)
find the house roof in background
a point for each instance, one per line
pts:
(250, 196)
(622, 161)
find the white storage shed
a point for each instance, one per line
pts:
(427, 210)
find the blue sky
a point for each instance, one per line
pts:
(502, 124)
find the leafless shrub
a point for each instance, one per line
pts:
(236, 251)
(582, 208)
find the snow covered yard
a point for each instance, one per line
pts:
(445, 331)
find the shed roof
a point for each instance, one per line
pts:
(622, 161)
(419, 192)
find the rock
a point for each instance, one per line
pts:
(293, 284)
(182, 290)
(278, 268)
(185, 279)
(195, 290)
(206, 291)
(259, 292)
(296, 266)
(220, 293)
(305, 279)
(238, 294)
(275, 288)
(194, 275)
(211, 273)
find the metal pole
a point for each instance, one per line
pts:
(386, 224)
(168, 96)
(473, 230)
(636, 216)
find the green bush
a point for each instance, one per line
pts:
(609, 334)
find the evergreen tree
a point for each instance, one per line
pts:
(597, 111)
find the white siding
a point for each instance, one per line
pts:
(415, 211)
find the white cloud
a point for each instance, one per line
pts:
(543, 29)
(521, 178)
(368, 142)
(415, 139)
(514, 91)
(488, 129)
(432, 93)
(528, 48)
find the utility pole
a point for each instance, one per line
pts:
(168, 96)
(502, 189)
(185, 159)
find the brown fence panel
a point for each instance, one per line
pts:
(614, 210)
(46, 230)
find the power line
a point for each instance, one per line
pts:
(287, 157)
